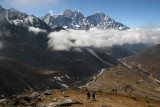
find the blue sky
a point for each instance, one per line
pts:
(132, 13)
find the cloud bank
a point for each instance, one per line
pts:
(65, 40)
(35, 30)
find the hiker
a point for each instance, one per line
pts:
(93, 95)
(125, 90)
(88, 95)
(113, 90)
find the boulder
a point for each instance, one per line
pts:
(34, 95)
(3, 101)
(49, 92)
(10, 104)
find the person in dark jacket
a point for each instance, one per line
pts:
(113, 90)
(93, 95)
(88, 95)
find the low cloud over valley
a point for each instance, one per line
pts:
(66, 39)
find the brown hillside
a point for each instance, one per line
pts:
(149, 57)
(124, 79)
(148, 61)
(104, 98)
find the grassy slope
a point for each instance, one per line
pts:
(121, 78)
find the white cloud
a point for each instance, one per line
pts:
(65, 40)
(35, 30)
(51, 12)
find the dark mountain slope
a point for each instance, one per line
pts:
(26, 63)
(117, 52)
(148, 61)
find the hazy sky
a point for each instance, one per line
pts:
(132, 13)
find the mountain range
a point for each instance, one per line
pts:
(69, 19)
(27, 64)
(76, 20)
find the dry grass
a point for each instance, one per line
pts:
(105, 97)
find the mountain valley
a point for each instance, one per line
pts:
(28, 64)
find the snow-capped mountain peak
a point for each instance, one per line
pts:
(18, 18)
(67, 13)
(76, 20)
